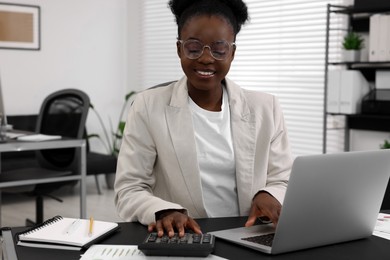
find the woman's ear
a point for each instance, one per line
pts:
(178, 48)
(233, 51)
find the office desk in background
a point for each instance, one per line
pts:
(134, 233)
(17, 146)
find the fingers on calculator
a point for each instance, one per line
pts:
(190, 244)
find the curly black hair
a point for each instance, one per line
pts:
(234, 11)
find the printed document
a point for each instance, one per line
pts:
(382, 226)
(123, 252)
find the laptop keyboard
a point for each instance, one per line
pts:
(263, 239)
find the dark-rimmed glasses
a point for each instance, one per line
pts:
(193, 49)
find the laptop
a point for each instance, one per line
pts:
(3, 117)
(6, 131)
(331, 198)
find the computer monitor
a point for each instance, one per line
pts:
(3, 116)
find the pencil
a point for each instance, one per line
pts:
(90, 226)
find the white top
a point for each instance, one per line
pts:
(216, 159)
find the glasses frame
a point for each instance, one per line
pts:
(231, 45)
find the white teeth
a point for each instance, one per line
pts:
(206, 73)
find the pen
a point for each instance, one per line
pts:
(90, 226)
(73, 227)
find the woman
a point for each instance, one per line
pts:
(202, 146)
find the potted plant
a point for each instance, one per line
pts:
(352, 44)
(112, 137)
(385, 145)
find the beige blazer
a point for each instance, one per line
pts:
(157, 164)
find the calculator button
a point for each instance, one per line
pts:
(190, 245)
(152, 238)
(196, 238)
(206, 238)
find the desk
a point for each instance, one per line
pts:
(16, 146)
(133, 234)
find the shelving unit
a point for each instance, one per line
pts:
(358, 21)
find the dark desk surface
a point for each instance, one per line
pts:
(133, 234)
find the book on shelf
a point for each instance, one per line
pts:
(346, 88)
(379, 38)
(66, 233)
(353, 87)
(333, 97)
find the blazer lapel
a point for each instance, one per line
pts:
(181, 130)
(243, 134)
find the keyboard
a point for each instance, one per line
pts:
(190, 245)
(262, 240)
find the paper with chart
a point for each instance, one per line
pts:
(123, 252)
(382, 226)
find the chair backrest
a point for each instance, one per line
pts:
(62, 113)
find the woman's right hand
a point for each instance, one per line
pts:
(170, 220)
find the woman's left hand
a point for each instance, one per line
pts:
(264, 205)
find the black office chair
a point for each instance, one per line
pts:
(62, 113)
(13, 160)
(99, 163)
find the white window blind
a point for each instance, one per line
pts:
(280, 51)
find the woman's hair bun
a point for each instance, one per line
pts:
(235, 11)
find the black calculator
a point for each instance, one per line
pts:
(197, 245)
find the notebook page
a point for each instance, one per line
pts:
(61, 232)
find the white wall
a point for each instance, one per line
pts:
(83, 46)
(134, 21)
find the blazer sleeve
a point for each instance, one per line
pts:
(135, 178)
(280, 160)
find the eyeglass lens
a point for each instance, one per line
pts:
(193, 49)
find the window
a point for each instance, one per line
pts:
(280, 51)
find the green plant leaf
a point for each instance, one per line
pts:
(353, 41)
(111, 139)
(385, 145)
(128, 95)
(118, 136)
(115, 151)
(121, 126)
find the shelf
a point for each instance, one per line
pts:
(357, 19)
(353, 10)
(364, 64)
(367, 68)
(369, 122)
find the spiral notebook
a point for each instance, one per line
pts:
(66, 233)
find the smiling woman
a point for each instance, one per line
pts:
(203, 146)
(204, 72)
(279, 51)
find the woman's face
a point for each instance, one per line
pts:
(206, 72)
